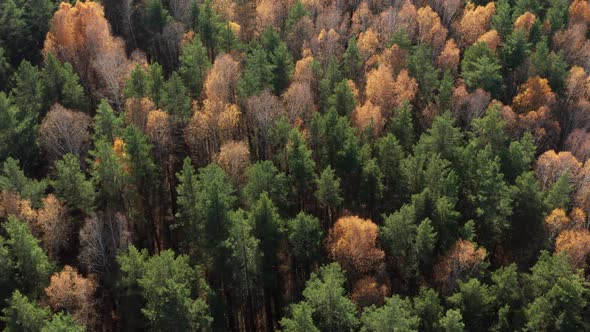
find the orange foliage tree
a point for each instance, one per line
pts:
(449, 57)
(550, 166)
(430, 29)
(369, 115)
(352, 242)
(462, 261)
(556, 222)
(73, 293)
(525, 22)
(234, 158)
(577, 245)
(533, 94)
(81, 35)
(475, 21)
(54, 225)
(368, 291)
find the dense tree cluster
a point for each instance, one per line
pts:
(297, 165)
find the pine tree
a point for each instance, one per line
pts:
(194, 65)
(71, 185)
(175, 99)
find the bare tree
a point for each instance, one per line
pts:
(64, 131)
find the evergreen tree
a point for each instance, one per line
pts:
(300, 165)
(107, 125)
(325, 294)
(481, 69)
(300, 318)
(61, 84)
(264, 176)
(194, 65)
(32, 267)
(502, 19)
(21, 314)
(175, 99)
(476, 302)
(13, 179)
(352, 62)
(328, 191)
(343, 99)
(155, 83)
(137, 83)
(428, 308)
(305, 237)
(168, 284)
(18, 132)
(282, 67)
(257, 74)
(71, 185)
(395, 315)
(402, 126)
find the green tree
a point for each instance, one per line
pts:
(428, 308)
(282, 67)
(421, 68)
(557, 14)
(21, 314)
(61, 84)
(476, 302)
(481, 69)
(452, 321)
(398, 235)
(264, 176)
(28, 89)
(300, 319)
(32, 267)
(305, 237)
(155, 83)
(269, 227)
(187, 214)
(296, 12)
(137, 83)
(209, 24)
(558, 195)
(502, 19)
(18, 132)
(395, 315)
(194, 65)
(325, 294)
(442, 138)
(175, 99)
(107, 125)
(12, 178)
(63, 322)
(402, 126)
(425, 243)
(328, 191)
(343, 99)
(215, 199)
(170, 287)
(245, 255)
(514, 50)
(71, 185)
(257, 74)
(108, 173)
(528, 211)
(301, 167)
(488, 195)
(389, 156)
(155, 16)
(549, 65)
(352, 63)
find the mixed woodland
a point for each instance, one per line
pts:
(294, 165)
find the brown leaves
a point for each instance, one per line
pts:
(234, 158)
(368, 291)
(475, 21)
(64, 131)
(221, 82)
(54, 224)
(525, 22)
(533, 94)
(577, 245)
(550, 166)
(368, 115)
(352, 242)
(449, 57)
(81, 35)
(71, 292)
(462, 261)
(430, 29)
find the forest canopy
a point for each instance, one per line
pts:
(294, 165)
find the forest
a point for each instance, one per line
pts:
(294, 165)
